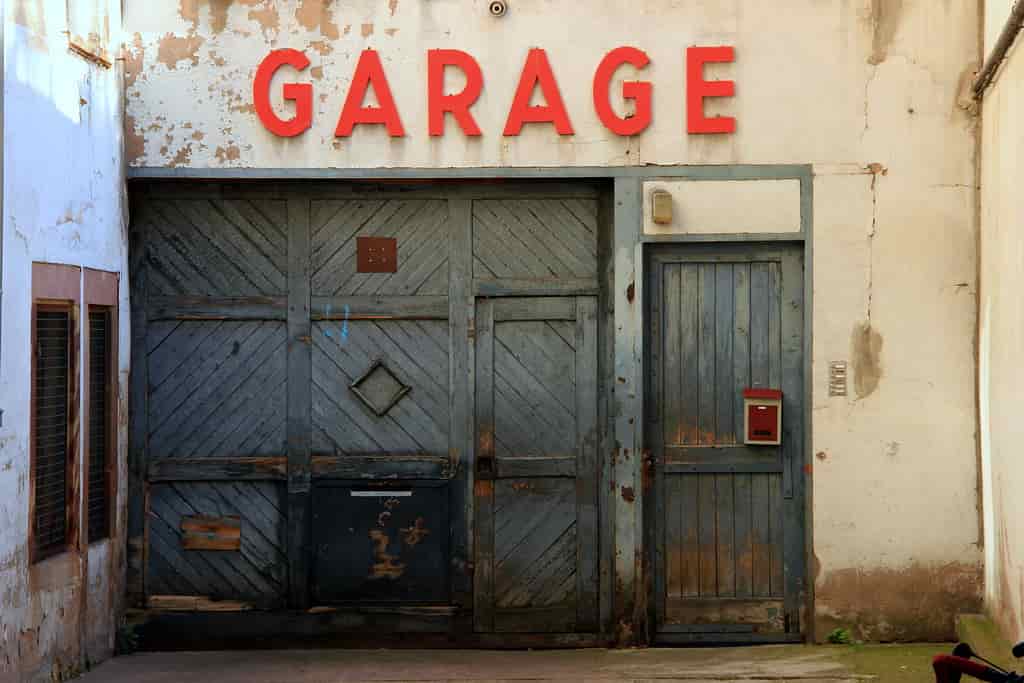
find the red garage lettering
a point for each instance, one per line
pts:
(536, 76)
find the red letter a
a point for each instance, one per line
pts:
(537, 71)
(369, 72)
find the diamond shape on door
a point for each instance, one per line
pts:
(379, 389)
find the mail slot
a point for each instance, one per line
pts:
(762, 417)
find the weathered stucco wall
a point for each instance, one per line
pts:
(873, 93)
(63, 185)
(1001, 338)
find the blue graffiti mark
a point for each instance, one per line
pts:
(344, 325)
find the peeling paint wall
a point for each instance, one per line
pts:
(1001, 338)
(873, 93)
(64, 182)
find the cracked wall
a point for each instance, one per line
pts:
(873, 93)
(63, 185)
(1001, 337)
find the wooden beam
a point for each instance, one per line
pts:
(628, 409)
(217, 308)
(535, 286)
(379, 308)
(299, 417)
(138, 412)
(461, 379)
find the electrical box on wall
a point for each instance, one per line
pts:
(762, 417)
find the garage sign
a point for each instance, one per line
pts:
(536, 75)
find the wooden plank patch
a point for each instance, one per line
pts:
(211, 533)
(194, 603)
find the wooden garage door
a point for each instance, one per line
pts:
(303, 432)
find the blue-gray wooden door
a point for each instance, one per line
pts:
(303, 433)
(725, 527)
(536, 487)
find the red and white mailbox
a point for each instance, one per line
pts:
(762, 417)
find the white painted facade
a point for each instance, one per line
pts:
(1001, 334)
(64, 204)
(874, 94)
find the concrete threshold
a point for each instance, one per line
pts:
(711, 665)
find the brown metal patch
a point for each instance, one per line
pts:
(376, 254)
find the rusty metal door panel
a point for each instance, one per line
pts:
(725, 531)
(383, 545)
(536, 498)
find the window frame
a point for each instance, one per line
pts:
(57, 287)
(101, 294)
(71, 447)
(109, 408)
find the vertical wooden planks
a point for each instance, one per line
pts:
(707, 356)
(725, 539)
(689, 353)
(586, 464)
(740, 343)
(761, 533)
(760, 354)
(299, 419)
(744, 552)
(777, 533)
(707, 535)
(483, 486)
(674, 521)
(725, 404)
(670, 391)
(461, 434)
(138, 424)
(689, 502)
(775, 304)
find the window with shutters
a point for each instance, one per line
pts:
(100, 406)
(53, 410)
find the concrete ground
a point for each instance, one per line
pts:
(890, 664)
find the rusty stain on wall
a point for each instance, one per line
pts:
(367, 30)
(229, 153)
(866, 354)
(889, 604)
(885, 19)
(318, 15)
(173, 49)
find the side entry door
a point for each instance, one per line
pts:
(726, 530)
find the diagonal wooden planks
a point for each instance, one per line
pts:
(217, 390)
(419, 226)
(255, 573)
(200, 247)
(415, 351)
(535, 543)
(535, 238)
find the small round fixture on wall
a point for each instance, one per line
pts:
(498, 8)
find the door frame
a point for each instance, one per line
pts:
(623, 616)
(796, 514)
